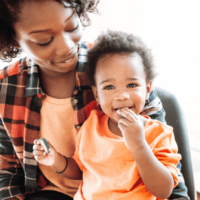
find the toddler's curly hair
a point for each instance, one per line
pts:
(118, 42)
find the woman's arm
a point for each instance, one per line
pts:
(66, 167)
(72, 169)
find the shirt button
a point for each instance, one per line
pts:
(75, 101)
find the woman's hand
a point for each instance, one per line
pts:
(42, 157)
(132, 129)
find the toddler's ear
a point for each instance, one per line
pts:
(149, 89)
(94, 90)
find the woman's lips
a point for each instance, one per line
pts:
(68, 59)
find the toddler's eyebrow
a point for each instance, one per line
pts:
(106, 81)
(132, 79)
(137, 79)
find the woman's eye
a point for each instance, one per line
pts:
(109, 87)
(72, 30)
(45, 44)
(131, 85)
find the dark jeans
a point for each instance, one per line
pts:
(48, 195)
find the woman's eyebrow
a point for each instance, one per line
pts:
(45, 30)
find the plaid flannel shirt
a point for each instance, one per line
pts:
(21, 99)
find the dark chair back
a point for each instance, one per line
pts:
(175, 118)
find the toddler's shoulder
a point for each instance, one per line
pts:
(154, 128)
(95, 116)
(155, 124)
(157, 132)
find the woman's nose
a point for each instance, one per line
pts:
(122, 96)
(64, 45)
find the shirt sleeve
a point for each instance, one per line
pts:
(11, 171)
(165, 148)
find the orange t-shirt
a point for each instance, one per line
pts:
(109, 170)
(57, 126)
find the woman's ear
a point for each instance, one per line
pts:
(94, 90)
(149, 89)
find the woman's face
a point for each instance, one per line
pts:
(49, 34)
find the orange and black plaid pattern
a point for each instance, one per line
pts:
(20, 103)
(21, 99)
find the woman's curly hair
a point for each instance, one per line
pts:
(121, 43)
(10, 14)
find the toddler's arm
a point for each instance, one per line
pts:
(154, 174)
(156, 177)
(57, 161)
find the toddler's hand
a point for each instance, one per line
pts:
(42, 157)
(132, 129)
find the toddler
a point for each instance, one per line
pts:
(120, 154)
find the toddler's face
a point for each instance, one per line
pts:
(121, 82)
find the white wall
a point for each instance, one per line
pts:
(172, 29)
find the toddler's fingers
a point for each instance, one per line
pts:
(121, 125)
(123, 122)
(128, 114)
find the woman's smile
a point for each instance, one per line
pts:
(69, 61)
(58, 54)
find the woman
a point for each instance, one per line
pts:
(44, 94)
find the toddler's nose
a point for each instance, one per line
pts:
(122, 96)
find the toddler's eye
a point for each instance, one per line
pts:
(109, 87)
(131, 85)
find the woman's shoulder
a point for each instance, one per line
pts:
(14, 68)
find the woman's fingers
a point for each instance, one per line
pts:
(38, 158)
(38, 147)
(36, 142)
(39, 153)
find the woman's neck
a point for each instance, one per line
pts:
(60, 85)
